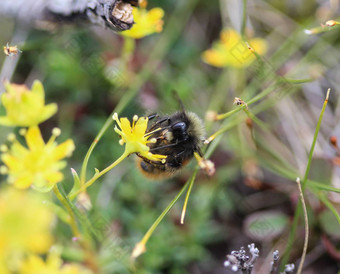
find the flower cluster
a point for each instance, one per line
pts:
(135, 137)
(52, 265)
(39, 164)
(232, 51)
(25, 107)
(239, 260)
(25, 225)
(146, 22)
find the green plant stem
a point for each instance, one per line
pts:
(303, 185)
(98, 175)
(244, 20)
(287, 172)
(305, 177)
(306, 227)
(229, 113)
(90, 257)
(256, 120)
(72, 219)
(300, 81)
(160, 217)
(191, 183)
(330, 206)
(321, 186)
(251, 101)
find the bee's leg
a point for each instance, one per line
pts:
(152, 116)
(166, 146)
(198, 150)
(156, 124)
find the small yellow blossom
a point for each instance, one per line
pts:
(232, 51)
(146, 22)
(39, 164)
(53, 265)
(24, 107)
(135, 137)
(25, 225)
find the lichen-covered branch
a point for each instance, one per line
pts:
(112, 14)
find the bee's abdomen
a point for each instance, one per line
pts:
(155, 171)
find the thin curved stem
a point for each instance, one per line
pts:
(191, 183)
(140, 247)
(303, 185)
(98, 175)
(244, 19)
(306, 227)
(72, 220)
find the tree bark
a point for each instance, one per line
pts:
(113, 14)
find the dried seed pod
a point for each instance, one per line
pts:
(334, 141)
(11, 50)
(240, 102)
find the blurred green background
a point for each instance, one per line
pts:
(249, 199)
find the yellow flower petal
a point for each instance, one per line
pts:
(125, 125)
(63, 150)
(229, 37)
(54, 177)
(213, 58)
(22, 182)
(259, 45)
(5, 121)
(10, 161)
(34, 139)
(156, 14)
(141, 126)
(38, 90)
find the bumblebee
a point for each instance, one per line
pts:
(11, 50)
(178, 136)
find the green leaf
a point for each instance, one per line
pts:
(76, 183)
(329, 224)
(265, 225)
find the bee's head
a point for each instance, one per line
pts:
(179, 131)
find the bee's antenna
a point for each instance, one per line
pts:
(178, 99)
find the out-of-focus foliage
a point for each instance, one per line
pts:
(91, 72)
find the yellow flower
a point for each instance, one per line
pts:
(25, 225)
(24, 107)
(135, 138)
(39, 164)
(53, 265)
(146, 22)
(232, 51)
